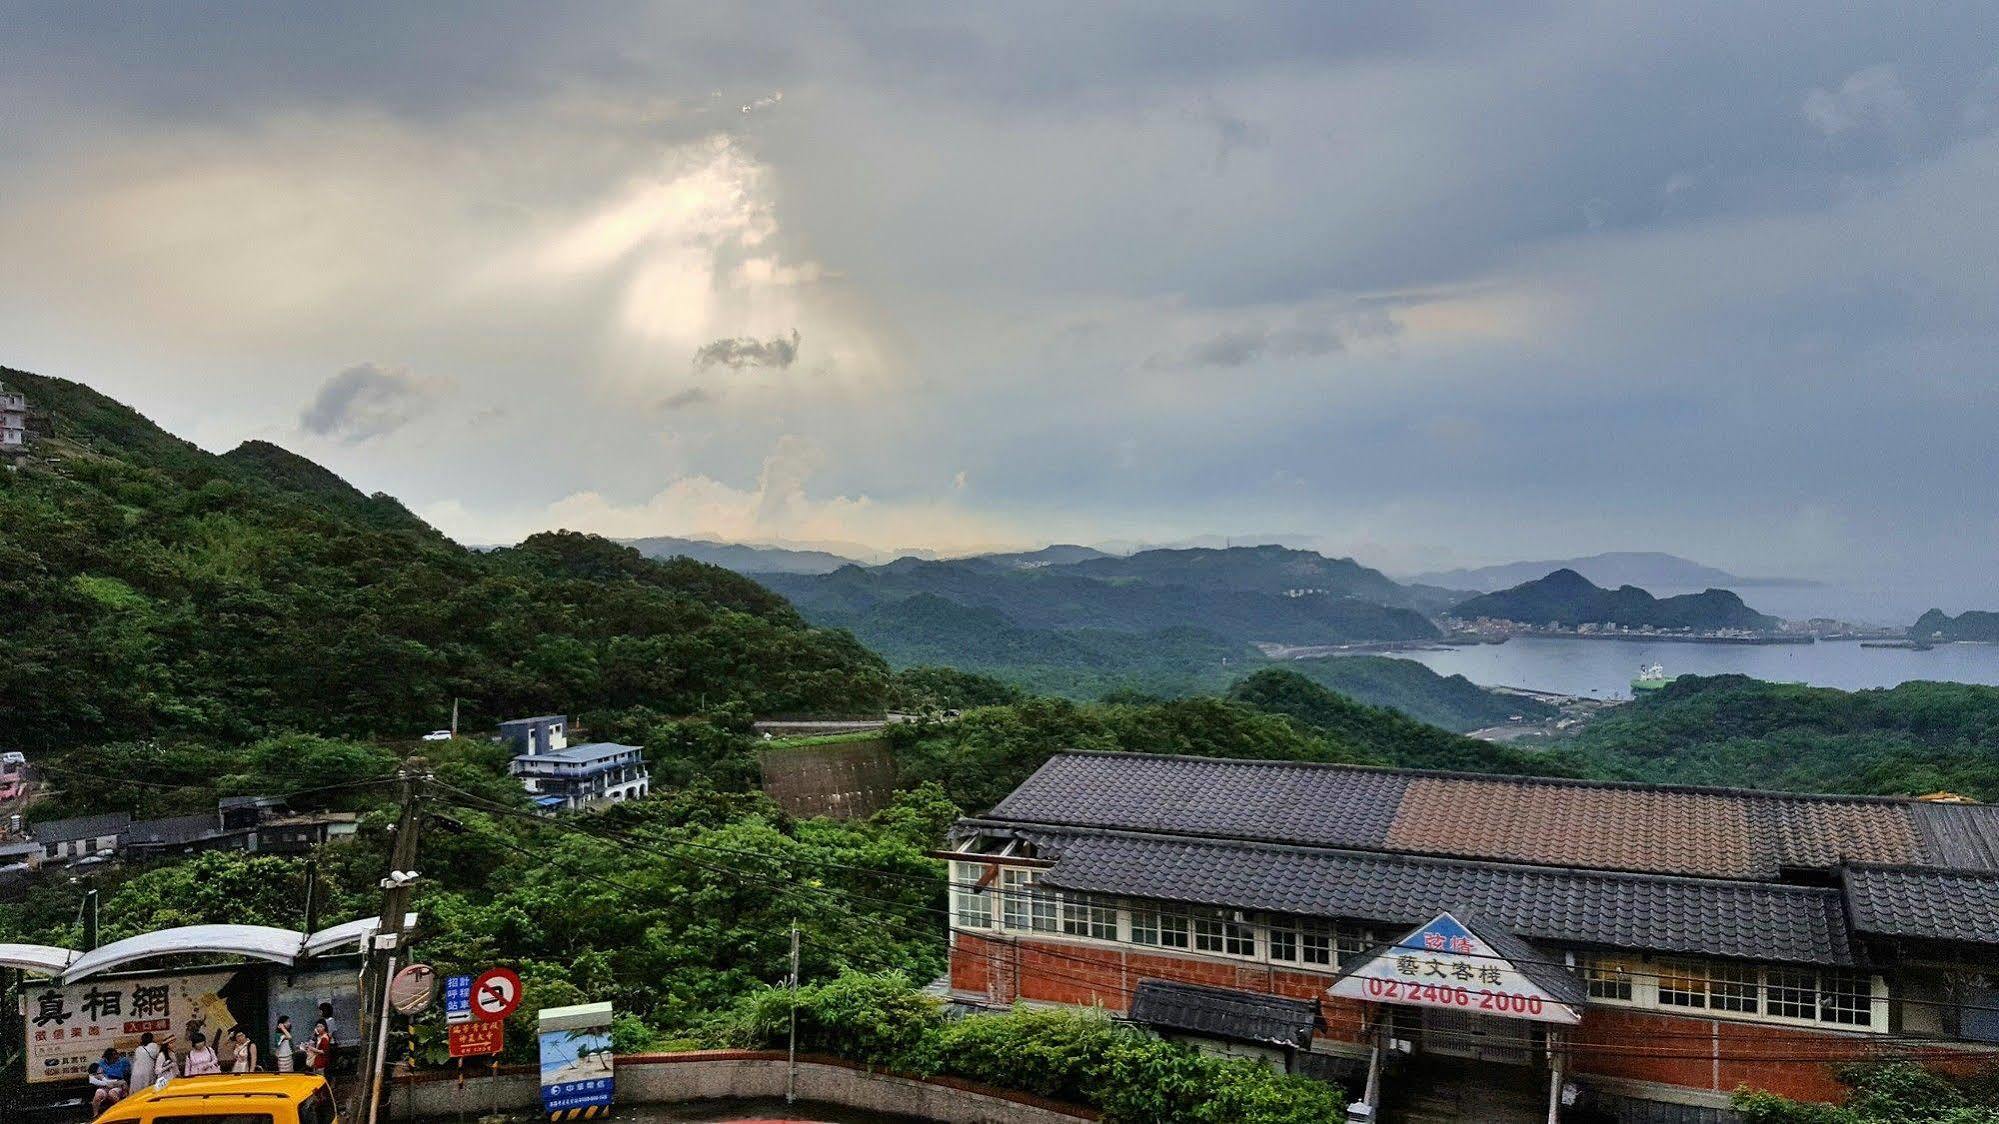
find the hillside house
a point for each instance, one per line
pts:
(1630, 946)
(13, 421)
(80, 837)
(563, 777)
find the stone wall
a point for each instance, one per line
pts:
(741, 1075)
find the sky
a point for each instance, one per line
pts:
(1432, 285)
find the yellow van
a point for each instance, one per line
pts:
(253, 1098)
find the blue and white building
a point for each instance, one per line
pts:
(564, 777)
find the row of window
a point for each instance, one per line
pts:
(1013, 902)
(1803, 994)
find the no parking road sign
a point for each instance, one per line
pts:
(495, 994)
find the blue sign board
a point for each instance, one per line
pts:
(458, 999)
(576, 1061)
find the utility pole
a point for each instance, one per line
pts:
(385, 947)
(90, 920)
(454, 716)
(791, 1051)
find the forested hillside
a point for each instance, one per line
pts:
(151, 589)
(1731, 730)
(1450, 701)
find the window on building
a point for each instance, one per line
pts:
(1846, 998)
(1682, 984)
(1082, 917)
(1353, 941)
(1734, 987)
(1161, 929)
(1794, 993)
(1608, 979)
(973, 909)
(1216, 933)
(1017, 897)
(1295, 940)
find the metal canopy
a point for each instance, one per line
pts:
(261, 942)
(346, 933)
(42, 959)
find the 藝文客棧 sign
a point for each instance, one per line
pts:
(1443, 964)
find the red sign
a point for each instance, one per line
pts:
(495, 994)
(475, 1040)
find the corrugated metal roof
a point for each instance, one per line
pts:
(581, 754)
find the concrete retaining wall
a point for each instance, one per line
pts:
(742, 1075)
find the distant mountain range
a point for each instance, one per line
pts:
(1237, 595)
(1645, 569)
(1567, 598)
(740, 557)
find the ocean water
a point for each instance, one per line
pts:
(1605, 668)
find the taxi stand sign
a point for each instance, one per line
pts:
(1444, 964)
(576, 1062)
(458, 999)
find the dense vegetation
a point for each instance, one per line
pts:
(1452, 702)
(1569, 599)
(1274, 714)
(155, 590)
(1887, 1093)
(1938, 625)
(1911, 739)
(1077, 1057)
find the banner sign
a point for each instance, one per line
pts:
(1443, 964)
(458, 999)
(67, 1028)
(576, 1064)
(474, 1039)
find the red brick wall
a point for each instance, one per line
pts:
(1719, 1055)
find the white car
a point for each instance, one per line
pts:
(438, 736)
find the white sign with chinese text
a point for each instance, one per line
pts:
(67, 1028)
(1443, 964)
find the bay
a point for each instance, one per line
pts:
(1605, 668)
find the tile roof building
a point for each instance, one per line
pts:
(1737, 926)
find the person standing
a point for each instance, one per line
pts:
(283, 1049)
(318, 1051)
(242, 1051)
(145, 1063)
(201, 1059)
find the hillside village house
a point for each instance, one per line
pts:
(1643, 949)
(13, 421)
(560, 776)
(81, 837)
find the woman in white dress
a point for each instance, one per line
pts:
(283, 1050)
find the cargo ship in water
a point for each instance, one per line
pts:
(1651, 679)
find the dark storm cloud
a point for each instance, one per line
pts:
(778, 351)
(369, 400)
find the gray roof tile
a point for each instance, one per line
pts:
(1923, 904)
(1653, 913)
(1220, 1012)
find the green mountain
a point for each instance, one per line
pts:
(1567, 598)
(1732, 730)
(1973, 625)
(1062, 598)
(152, 589)
(928, 630)
(1452, 702)
(740, 557)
